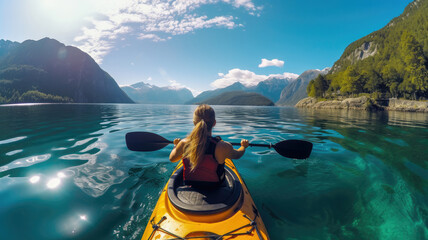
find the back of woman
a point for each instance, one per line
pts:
(209, 171)
(204, 156)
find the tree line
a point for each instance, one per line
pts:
(32, 96)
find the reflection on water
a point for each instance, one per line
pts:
(65, 172)
(358, 117)
(381, 135)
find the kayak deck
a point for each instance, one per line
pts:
(239, 221)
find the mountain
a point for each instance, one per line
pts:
(237, 86)
(390, 62)
(6, 46)
(48, 71)
(270, 88)
(239, 98)
(296, 90)
(147, 93)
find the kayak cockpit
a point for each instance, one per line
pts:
(204, 201)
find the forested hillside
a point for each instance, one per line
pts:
(48, 71)
(391, 62)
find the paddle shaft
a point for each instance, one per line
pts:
(234, 144)
(254, 145)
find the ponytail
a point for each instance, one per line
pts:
(204, 119)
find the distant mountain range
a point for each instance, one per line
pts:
(296, 90)
(270, 88)
(239, 98)
(48, 71)
(146, 93)
(282, 91)
(290, 91)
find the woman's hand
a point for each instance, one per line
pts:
(176, 141)
(244, 143)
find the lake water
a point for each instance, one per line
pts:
(65, 171)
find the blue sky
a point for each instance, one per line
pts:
(200, 44)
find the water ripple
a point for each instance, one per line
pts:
(11, 140)
(14, 152)
(25, 162)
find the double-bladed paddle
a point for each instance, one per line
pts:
(147, 142)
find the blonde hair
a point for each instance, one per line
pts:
(204, 119)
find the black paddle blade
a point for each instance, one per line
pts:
(145, 141)
(297, 149)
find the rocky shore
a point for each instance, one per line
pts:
(407, 105)
(365, 103)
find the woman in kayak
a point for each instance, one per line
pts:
(203, 155)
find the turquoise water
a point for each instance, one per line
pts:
(65, 172)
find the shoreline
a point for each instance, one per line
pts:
(365, 103)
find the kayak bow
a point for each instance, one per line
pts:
(227, 212)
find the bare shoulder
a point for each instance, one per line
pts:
(224, 146)
(222, 151)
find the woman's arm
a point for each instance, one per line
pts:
(177, 152)
(227, 151)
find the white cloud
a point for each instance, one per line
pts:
(152, 36)
(173, 84)
(246, 77)
(156, 20)
(97, 41)
(271, 63)
(286, 75)
(248, 4)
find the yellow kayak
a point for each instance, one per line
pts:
(226, 212)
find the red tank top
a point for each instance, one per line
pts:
(208, 170)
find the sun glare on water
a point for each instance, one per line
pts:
(53, 183)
